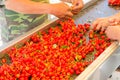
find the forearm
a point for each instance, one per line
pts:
(60, 10)
(28, 7)
(67, 1)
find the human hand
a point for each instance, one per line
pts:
(103, 23)
(113, 32)
(61, 10)
(77, 6)
(114, 20)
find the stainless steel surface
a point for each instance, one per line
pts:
(101, 70)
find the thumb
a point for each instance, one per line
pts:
(69, 14)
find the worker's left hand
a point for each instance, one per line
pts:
(113, 32)
(77, 6)
(103, 23)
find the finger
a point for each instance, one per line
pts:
(106, 32)
(117, 21)
(78, 5)
(69, 14)
(111, 20)
(75, 12)
(77, 8)
(95, 23)
(63, 17)
(66, 17)
(70, 9)
(103, 28)
(74, 2)
(114, 21)
(98, 27)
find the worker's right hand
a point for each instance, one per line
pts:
(113, 32)
(77, 6)
(61, 10)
